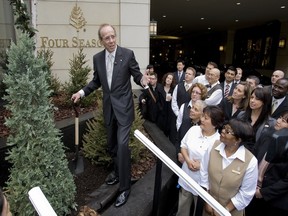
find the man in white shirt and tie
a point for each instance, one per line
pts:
(215, 94)
(179, 75)
(228, 84)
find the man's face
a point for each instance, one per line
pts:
(213, 76)
(153, 80)
(189, 76)
(180, 66)
(238, 75)
(108, 40)
(276, 76)
(280, 89)
(251, 82)
(208, 68)
(229, 76)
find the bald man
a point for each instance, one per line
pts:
(276, 75)
(215, 91)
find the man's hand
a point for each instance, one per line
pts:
(145, 78)
(75, 97)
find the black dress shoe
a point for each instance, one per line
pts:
(122, 198)
(112, 181)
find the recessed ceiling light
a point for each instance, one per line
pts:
(283, 7)
(164, 16)
(181, 26)
(209, 28)
(236, 20)
(238, 3)
(202, 18)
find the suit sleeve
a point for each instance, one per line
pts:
(135, 70)
(277, 189)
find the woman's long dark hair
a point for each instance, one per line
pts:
(264, 95)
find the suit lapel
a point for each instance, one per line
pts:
(282, 107)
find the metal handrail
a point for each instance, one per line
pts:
(180, 173)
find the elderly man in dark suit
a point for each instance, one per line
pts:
(113, 68)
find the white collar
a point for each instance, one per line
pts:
(113, 53)
(279, 101)
(240, 153)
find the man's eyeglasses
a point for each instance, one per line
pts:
(226, 130)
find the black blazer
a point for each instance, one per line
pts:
(119, 99)
(275, 182)
(227, 107)
(176, 77)
(280, 109)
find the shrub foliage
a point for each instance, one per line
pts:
(36, 154)
(95, 140)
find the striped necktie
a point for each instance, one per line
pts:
(226, 91)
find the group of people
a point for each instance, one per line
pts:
(222, 132)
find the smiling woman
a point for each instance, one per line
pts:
(228, 170)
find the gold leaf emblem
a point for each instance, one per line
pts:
(77, 19)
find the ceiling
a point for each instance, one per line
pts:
(183, 17)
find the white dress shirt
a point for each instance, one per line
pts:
(196, 145)
(215, 98)
(174, 104)
(201, 79)
(279, 101)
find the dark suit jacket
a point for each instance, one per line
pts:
(231, 89)
(119, 99)
(280, 109)
(275, 182)
(176, 77)
(227, 107)
(153, 108)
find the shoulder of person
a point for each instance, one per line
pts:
(271, 121)
(241, 115)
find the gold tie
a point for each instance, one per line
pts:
(274, 106)
(186, 87)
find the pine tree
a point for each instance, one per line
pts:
(78, 74)
(37, 154)
(95, 140)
